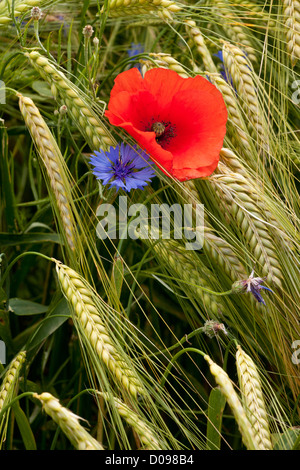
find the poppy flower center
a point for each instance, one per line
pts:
(164, 131)
(158, 128)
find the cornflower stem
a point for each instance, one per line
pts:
(184, 339)
(174, 359)
(87, 62)
(16, 24)
(37, 36)
(180, 342)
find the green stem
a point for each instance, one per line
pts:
(174, 359)
(228, 292)
(14, 400)
(5, 64)
(16, 259)
(184, 339)
(9, 89)
(58, 430)
(37, 36)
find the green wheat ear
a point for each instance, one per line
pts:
(88, 122)
(235, 404)
(253, 399)
(291, 14)
(53, 162)
(164, 8)
(90, 323)
(146, 435)
(8, 388)
(68, 422)
(10, 379)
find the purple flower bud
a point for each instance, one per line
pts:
(253, 285)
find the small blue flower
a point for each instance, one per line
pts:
(253, 285)
(135, 50)
(124, 167)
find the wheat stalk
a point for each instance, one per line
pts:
(52, 159)
(193, 273)
(291, 13)
(253, 399)
(143, 430)
(227, 389)
(87, 121)
(10, 379)
(195, 34)
(138, 7)
(236, 127)
(239, 199)
(239, 68)
(68, 422)
(215, 248)
(87, 316)
(165, 61)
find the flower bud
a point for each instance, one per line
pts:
(63, 109)
(88, 31)
(36, 13)
(212, 328)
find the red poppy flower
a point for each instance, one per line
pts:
(180, 122)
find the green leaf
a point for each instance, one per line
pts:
(216, 405)
(26, 307)
(42, 88)
(24, 427)
(34, 335)
(30, 386)
(12, 239)
(51, 323)
(286, 440)
(118, 275)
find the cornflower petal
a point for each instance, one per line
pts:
(123, 167)
(253, 285)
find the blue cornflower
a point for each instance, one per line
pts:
(253, 285)
(135, 50)
(124, 167)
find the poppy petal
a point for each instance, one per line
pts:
(130, 81)
(192, 111)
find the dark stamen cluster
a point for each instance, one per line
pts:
(164, 130)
